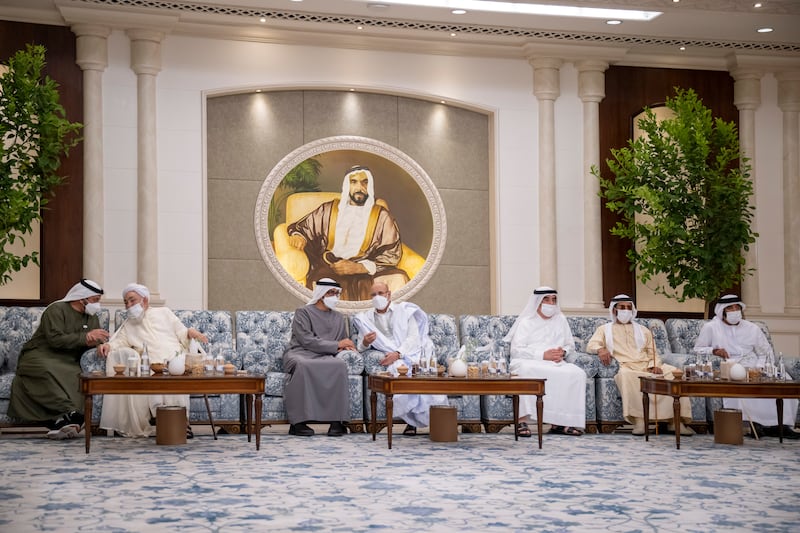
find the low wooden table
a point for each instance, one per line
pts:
(250, 385)
(514, 386)
(713, 389)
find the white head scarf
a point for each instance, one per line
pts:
(531, 308)
(351, 223)
(85, 288)
(725, 301)
(139, 289)
(321, 287)
(638, 329)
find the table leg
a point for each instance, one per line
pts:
(515, 403)
(389, 405)
(257, 421)
(87, 414)
(646, 410)
(539, 415)
(373, 402)
(248, 410)
(779, 403)
(676, 420)
(210, 418)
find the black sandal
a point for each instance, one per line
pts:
(523, 430)
(566, 430)
(410, 431)
(189, 432)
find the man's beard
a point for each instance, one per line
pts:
(359, 198)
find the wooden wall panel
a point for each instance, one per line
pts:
(628, 91)
(62, 227)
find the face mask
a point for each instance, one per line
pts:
(733, 317)
(624, 315)
(330, 301)
(135, 311)
(91, 308)
(549, 310)
(379, 302)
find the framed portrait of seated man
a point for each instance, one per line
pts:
(353, 209)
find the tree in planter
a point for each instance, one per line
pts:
(691, 188)
(35, 135)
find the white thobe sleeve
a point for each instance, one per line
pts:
(411, 344)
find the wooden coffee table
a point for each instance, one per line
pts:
(250, 385)
(514, 386)
(713, 389)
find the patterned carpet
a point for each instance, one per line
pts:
(481, 483)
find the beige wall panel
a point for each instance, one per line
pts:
(230, 219)
(246, 285)
(451, 291)
(247, 134)
(468, 227)
(450, 143)
(330, 113)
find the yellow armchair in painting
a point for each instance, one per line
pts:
(296, 262)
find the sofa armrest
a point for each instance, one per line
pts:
(586, 362)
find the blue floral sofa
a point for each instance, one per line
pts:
(226, 409)
(486, 332)
(683, 333)
(444, 334)
(17, 325)
(261, 339)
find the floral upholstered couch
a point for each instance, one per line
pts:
(17, 325)
(261, 339)
(226, 409)
(683, 333)
(444, 334)
(486, 332)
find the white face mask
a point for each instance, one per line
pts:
(733, 317)
(380, 302)
(549, 310)
(624, 315)
(91, 308)
(330, 301)
(135, 311)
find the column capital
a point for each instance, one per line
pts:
(546, 82)
(746, 88)
(91, 46)
(788, 90)
(591, 80)
(145, 51)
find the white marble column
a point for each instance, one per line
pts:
(92, 58)
(546, 88)
(592, 90)
(146, 63)
(747, 98)
(789, 103)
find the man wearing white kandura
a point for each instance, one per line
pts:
(632, 345)
(164, 334)
(400, 331)
(540, 340)
(731, 337)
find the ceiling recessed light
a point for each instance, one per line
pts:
(757, 5)
(682, 48)
(258, 90)
(262, 20)
(613, 22)
(352, 90)
(764, 30)
(441, 101)
(531, 8)
(359, 27)
(452, 35)
(458, 11)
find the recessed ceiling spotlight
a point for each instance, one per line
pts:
(676, 1)
(352, 90)
(765, 30)
(452, 35)
(376, 5)
(258, 90)
(682, 48)
(458, 11)
(613, 22)
(296, 0)
(262, 20)
(359, 27)
(757, 5)
(441, 101)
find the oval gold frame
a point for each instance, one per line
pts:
(372, 146)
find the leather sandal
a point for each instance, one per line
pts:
(523, 430)
(410, 431)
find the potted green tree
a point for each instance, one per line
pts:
(35, 135)
(682, 191)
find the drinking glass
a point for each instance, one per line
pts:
(423, 365)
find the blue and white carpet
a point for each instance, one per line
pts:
(481, 483)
